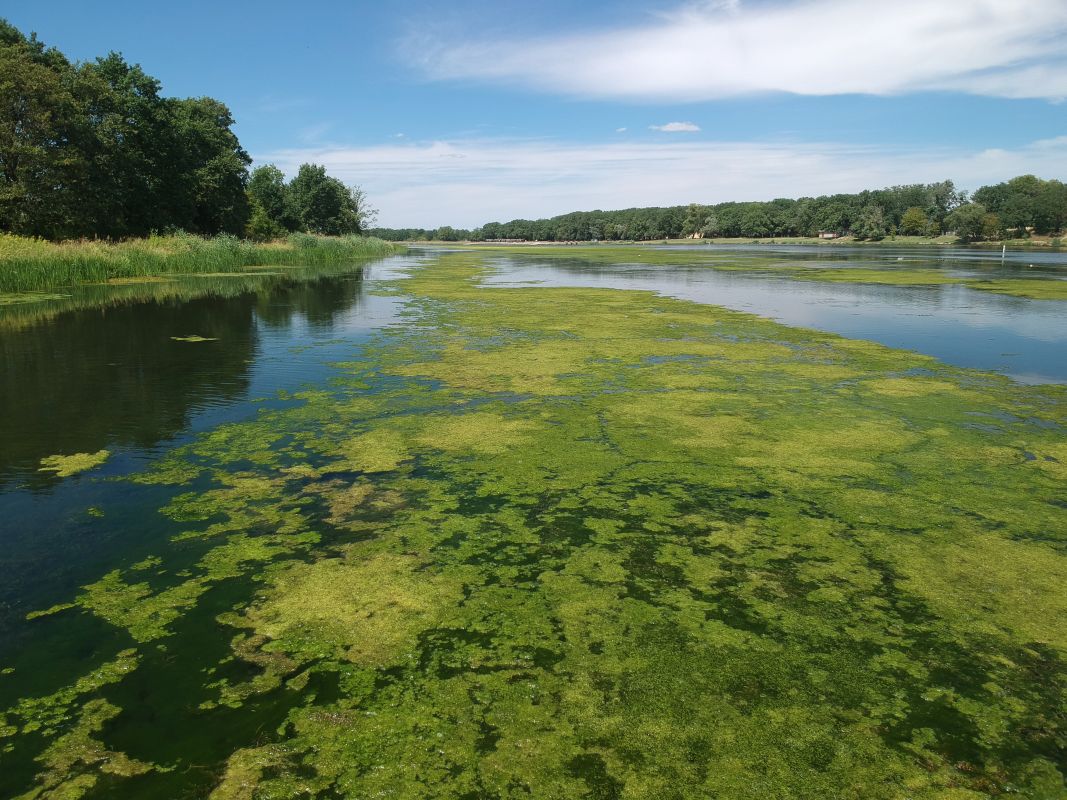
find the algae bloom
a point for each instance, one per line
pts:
(66, 466)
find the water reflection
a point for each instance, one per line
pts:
(1025, 339)
(117, 375)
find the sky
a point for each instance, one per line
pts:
(473, 111)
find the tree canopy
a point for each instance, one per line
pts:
(1017, 207)
(96, 150)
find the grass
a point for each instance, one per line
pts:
(583, 543)
(35, 265)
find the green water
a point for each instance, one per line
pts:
(405, 534)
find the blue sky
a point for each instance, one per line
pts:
(495, 110)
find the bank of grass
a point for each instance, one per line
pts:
(38, 265)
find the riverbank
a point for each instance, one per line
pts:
(949, 240)
(35, 265)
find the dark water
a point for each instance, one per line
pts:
(1024, 339)
(114, 378)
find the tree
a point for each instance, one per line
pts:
(914, 222)
(833, 218)
(991, 227)
(695, 216)
(40, 163)
(755, 222)
(323, 204)
(269, 197)
(870, 224)
(968, 221)
(366, 214)
(213, 167)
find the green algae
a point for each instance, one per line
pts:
(890, 275)
(67, 466)
(583, 543)
(1025, 287)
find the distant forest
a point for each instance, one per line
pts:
(1018, 207)
(94, 150)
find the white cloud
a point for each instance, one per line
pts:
(707, 50)
(675, 127)
(467, 183)
(621, 130)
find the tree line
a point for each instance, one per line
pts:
(95, 150)
(1018, 207)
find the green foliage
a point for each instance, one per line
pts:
(29, 265)
(914, 222)
(913, 210)
(1027, 202)
(447, 233)
(968, 221)
(269, 196)
(95, 150)
(262, 227)
(323, 204)
(870, 224)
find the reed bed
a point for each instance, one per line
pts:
(38, 265)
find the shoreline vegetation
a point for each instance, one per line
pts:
(35, 265)
(943, 240)
(1018, 209)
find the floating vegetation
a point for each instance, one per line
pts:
(1025, 287)
(194, 338)
(21, 298)
(583, 543)
(883, 273)
(139, 279)
(66, 466)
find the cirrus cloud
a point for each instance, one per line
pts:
(709, 50)
(675, 127)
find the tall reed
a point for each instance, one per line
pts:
(37, 265)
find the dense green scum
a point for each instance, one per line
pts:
(576, 543)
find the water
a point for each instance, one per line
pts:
(113, 377)
(1024, 339)
(116, 377)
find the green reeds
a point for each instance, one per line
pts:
(37, 265)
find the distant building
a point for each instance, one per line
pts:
(828, 234)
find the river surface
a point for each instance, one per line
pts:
(117, 378)
(126, 378)
(1024, 339)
